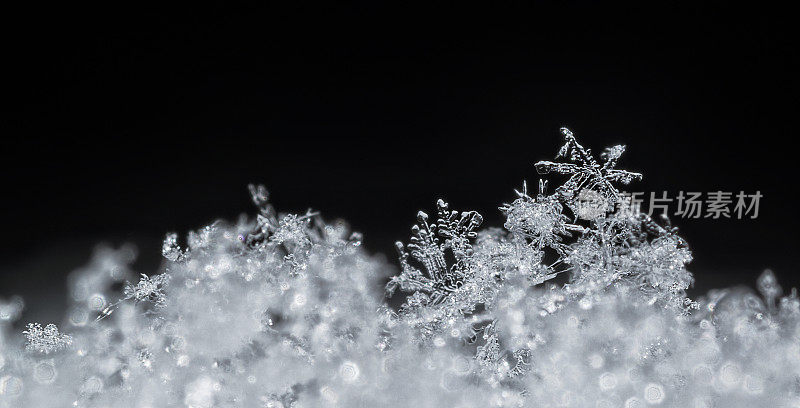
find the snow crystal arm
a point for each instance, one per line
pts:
(612, 155)
(622, 176)
(545, 167)
(651, 226)
(457, 230)
(425, 247)
(410, 279)
(574, 151)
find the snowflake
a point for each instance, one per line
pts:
(45, 340)
(490, 352)
(620, 244)
(148, 289)
(299, 317)
(266, 220)
(292, 229)
(587, 173)
(632, 249)
(170, 248)
(539, 220)
(439, 279)
(537, 225)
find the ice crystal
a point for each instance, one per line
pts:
(451, 233)
(447, 280)
(288, 310)
(170, 249)
(587, 172)
(540, 220)
(292, 230)
(45, 340)
(148, 289)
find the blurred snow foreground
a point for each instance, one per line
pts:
(289, 311)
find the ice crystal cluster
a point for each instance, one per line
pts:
(578, 301)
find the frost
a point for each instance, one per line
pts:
(577, 301)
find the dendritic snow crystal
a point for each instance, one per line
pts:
(577, 301)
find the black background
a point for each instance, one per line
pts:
(124, 124)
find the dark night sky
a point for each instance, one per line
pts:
(121, 125)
